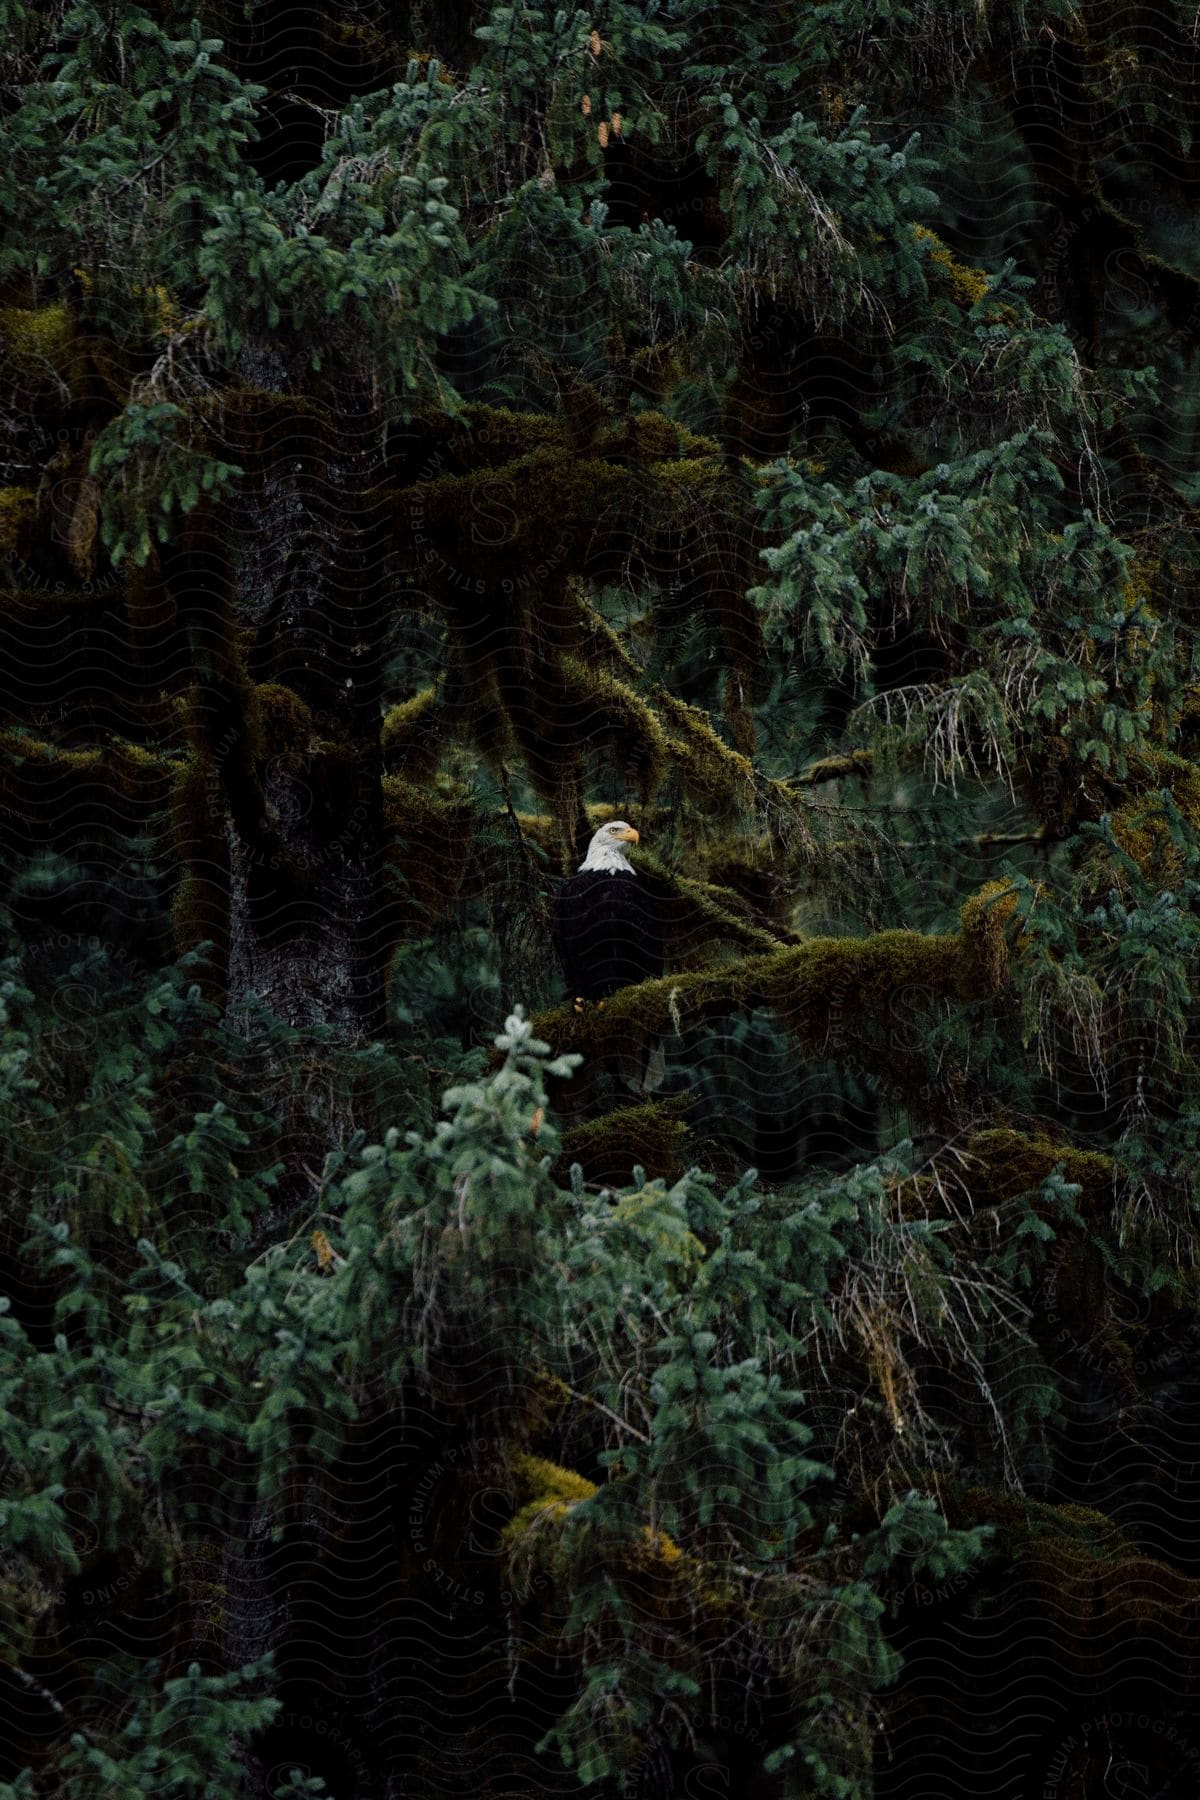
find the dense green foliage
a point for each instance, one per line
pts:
(770, 424)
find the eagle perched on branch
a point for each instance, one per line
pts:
(608, 935)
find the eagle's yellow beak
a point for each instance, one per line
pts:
(630, 836)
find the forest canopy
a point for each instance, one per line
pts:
(430, 433)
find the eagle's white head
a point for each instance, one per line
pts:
(605, 854)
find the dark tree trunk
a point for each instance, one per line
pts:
(283, 591)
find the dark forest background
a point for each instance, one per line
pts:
(429, 432)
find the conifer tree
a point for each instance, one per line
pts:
(770, 425)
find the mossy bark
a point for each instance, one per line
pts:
(291, 767)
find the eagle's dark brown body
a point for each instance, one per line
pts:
(606, 932)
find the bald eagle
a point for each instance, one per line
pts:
(606, 926)
(608, 935)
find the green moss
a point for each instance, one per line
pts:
(409, 807)
(16, 520)
(550, 493)
(611, 715)
(39, 781)
(549, 1495)
(996, 1167)
(493, 433)
(999, 1165)
(968, 285)
(37, 604)
(83, 527)
(249, 403)
(1068, 1562)
(39, 340)
(608, 1149)
(537, 1479)
(36, 750)
(24, 1599)
(56, 364)
(803, 985)
(401, 719)
(1185, 789)
(1139, 825)
(141, 778)
(858, 763)
(554, 492)
(983, 919)
(535, 672)
(411, 733)
(278, 721)
(818, 989)
(685, 489)
(1027, 1519)
(695, 913)
(590, 632)
(545, 830)
(657, 438)
(712, 771)
(659, 367)
(200, 910)
(433, 837)
(199, 914)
